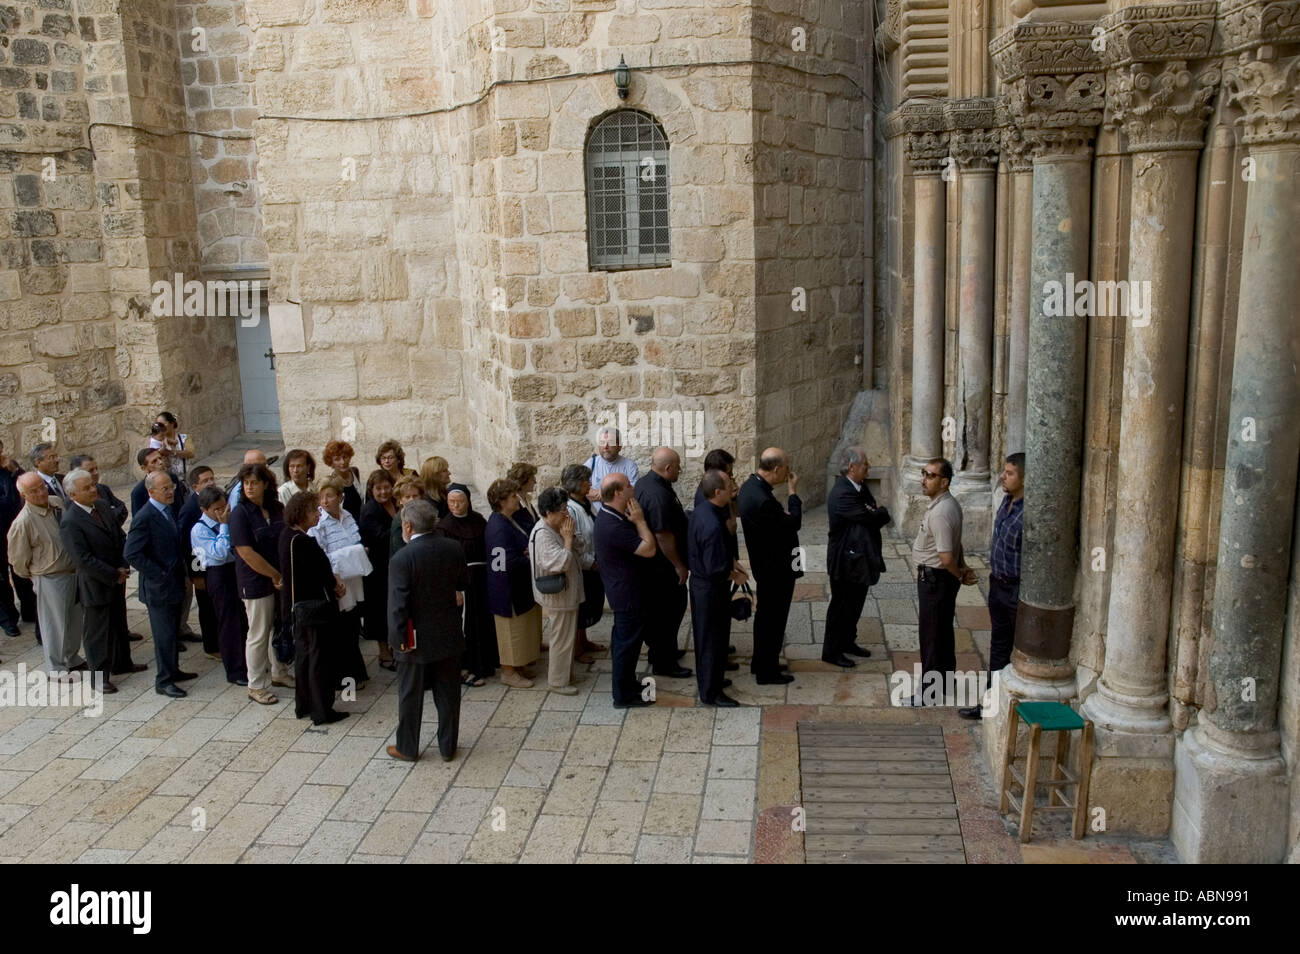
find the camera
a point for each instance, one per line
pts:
(158, 427)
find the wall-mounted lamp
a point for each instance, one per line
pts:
(622, 78)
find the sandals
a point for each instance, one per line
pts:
(262, 696)
(473, 681)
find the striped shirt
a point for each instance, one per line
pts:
(334, 534)
(1004, 560)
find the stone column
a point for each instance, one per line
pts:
(927, 151)
(1230, 791)
(974, 147)
(1160, 106)
(1057, 113)
(1015, 153)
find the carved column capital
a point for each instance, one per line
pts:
(1162, 73)
(1247, 24)
(1265, 87)
(1055, 85)
(972, 132)
(926, 143)
(1013, 148)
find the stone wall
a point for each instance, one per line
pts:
(214, 42)
(446, 296)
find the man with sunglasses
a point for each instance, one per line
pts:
(941, 570)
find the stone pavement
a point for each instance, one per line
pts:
(539, 777)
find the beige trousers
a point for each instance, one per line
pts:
(563, 634)
(259, 654)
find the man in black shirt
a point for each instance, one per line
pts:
(713, 569)
(623, 541)
(772, 539)
(666, 583)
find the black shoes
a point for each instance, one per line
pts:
(840, 660)
(176, 692)
(971, 712)
(108, 688)
(681, 654)
(731, 650)
(733, 667)
(186, 676)
(238, 682)
(856, 650)
(334, 716)
(724, 701)
(446, 757)
(726, 683)
(134, 667)
(774, 679)
(678, 672)
(634, 703)
(136, 637)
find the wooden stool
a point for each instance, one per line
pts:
(1046, 717)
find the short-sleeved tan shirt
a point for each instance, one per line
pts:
(940, 531)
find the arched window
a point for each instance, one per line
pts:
(627, 192)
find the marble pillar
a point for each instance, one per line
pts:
(927, 152)
(1020, 167)
(1231, 787)
(974, 146)
(1161, 108)
(1057, 113)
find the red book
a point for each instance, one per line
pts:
(408, 645)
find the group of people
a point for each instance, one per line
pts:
(296, 572)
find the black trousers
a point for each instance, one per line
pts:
(313, 675)
(665, 609)
(711, 627)
(119, 640)
(413, 678)
(1003, 600)
(166, 638)
(347, 651)
(774, 595)
(26, 592)
(624, 651)
(96, 638)
(232, 626)
(847, 600)
(208, 625)
(9, 612)
(937, 598)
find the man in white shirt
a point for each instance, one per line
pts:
(608, 460)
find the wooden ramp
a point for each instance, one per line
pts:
(877, 793)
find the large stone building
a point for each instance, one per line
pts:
(958, 227)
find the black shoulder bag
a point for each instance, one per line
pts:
(309, 613)
(551, 583)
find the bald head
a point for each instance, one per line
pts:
(254, 456)
(33, 489)
(155, 478)
(614, 490)
(774, 466)
(665, 462)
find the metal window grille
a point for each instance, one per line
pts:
(627, 192)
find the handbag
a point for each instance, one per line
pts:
(551, 583)
(742, 605)
(309, 613)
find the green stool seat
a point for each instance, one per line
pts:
(1050, 716)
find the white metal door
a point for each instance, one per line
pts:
(257, 375)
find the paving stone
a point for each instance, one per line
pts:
(170, 846)
(11, 814)
(689, 730)
(33, 788)
(628, 781)
(491, 758)
(461, 810)
(599, 709)
(682, 773)
(393, 833)
(68, 843)
(615, 828)
(592, 745)
(200, 769)
(733, 761)
(672, 814)
(590, 858)
(663, 850)
(101, 741)
(345, 761)
(269, 855)
(518, 709)
(424, 784)
(904, 637)
(718, 860)
(574, 790)
(104, 856)
(366, 797)
(285, 777)
(737, 726)
(144, 821)
(362, 859)
(533, 768)
(551, 731)
(332, 843)
(302, 815)
(642, 738)
(501, 836)
(555, 839)
(124, 756)
(723, 837)
(438, 848)
(729, 800)
(217, 798)
(238, 829)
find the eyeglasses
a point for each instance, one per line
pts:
(926, 475)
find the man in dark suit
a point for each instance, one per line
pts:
(772, 539)
(713, 570)
(152, 460)
(153, 546)
(665, 581)
(94, 542)
(426, 590)
(853, 556)
(120, 651)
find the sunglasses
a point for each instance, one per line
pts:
(926, 475)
